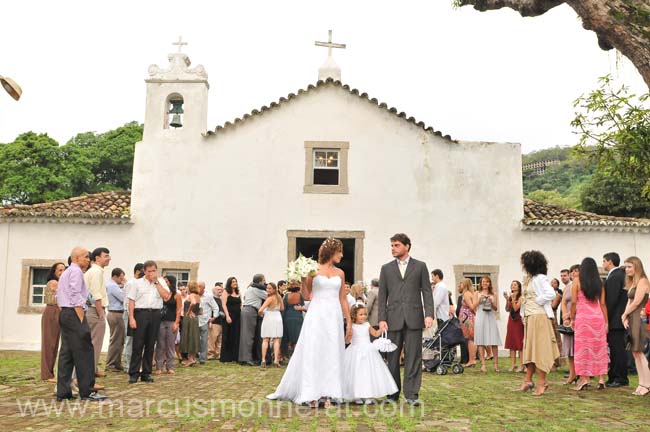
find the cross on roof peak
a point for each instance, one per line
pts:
(180, 43)
(329, 44)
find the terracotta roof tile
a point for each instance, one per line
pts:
(114, 205)
(541, 216)
(333, 83)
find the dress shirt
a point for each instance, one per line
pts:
(146, 294)
(406, 264)
(609, 273)
(115, 296)
(254, 296)
(72, 290)
(127, 289)
(96, 284)
(209, 308)
(441, 301)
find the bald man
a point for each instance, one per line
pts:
(76, 344)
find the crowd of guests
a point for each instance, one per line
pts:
(156, 322)
(595, 323)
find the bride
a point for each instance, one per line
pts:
(315, 370)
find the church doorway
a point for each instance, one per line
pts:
(308, 246)
(307, 243)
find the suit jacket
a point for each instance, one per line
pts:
(400, 298)
(615, 298)
(373, 307)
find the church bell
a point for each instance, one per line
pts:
(176, 110)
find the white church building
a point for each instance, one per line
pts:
(328, 160)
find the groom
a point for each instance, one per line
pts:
(403, 286)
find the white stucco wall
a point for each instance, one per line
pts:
(227, 201)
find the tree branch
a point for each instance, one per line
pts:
(620, 24)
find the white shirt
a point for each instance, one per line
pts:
(544, 294)
(146, 294)
(209, 308)
(441, 301)
(127, 289)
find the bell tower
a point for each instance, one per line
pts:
(177, 98)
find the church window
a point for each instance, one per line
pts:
(326, 167)
(33, 281)
(182, 276)
(184, 271)
(38, 283)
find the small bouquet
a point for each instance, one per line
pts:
(301, 268)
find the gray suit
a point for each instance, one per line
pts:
(400, 305)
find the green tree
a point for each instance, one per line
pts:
(30, 170)
(612, 195)
(34, 168)
(614, 128)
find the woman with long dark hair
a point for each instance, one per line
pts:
(515, 329)
(589, 316)
(638, 288)
(231, 301)
(50, 328)
(540, 346)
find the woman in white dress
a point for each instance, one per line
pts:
(315, 372)
(272, 326)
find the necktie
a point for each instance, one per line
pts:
(402, 267)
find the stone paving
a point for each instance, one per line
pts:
(230, 397)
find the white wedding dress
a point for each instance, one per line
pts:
(315, 370)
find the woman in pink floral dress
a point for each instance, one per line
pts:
(589, 315)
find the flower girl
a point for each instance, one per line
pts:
(366, 375)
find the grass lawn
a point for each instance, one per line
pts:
(219, 396)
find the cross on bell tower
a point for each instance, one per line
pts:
(179, 43)
(329, 69)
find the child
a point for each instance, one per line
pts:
(272, 327)
(367, 376)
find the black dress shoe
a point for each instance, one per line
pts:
(94, 397)
(613, 384)
(389, 400)
(62, 398)
(249, 363)
(133, 380)
(146, 379)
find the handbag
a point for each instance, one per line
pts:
(565, 330)
(486, 306)
(383, 344)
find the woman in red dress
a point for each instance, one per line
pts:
(515, 330)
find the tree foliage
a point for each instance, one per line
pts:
(34, 168)
(614, 128)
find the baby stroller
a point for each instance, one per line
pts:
(439, 352)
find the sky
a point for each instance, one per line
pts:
(491, 76)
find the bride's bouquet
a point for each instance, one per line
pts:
(301, 268)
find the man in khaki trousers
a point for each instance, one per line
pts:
(115, 318)
(216, 327)
(96, 314)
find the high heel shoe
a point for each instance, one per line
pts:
(277, 365)
(638, 393)
(539, 392)
(263, 365)
(583, 386)
(601, 386)
(527, 386)
(571, 381)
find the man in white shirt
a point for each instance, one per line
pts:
(146, 299)
(440, 297)
(209, 309)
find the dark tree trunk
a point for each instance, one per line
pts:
(620, 24)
